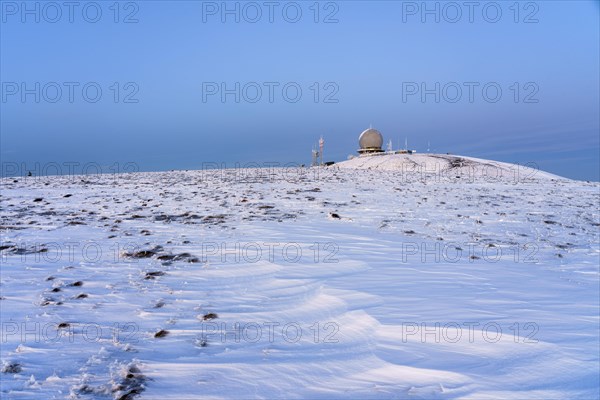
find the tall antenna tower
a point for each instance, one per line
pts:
(321, 144)
(390, 148)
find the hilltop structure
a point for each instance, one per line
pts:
(370, 141)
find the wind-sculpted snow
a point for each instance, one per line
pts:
(338, 282)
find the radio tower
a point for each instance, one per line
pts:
(321, 143)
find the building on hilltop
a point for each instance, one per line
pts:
(370, 141)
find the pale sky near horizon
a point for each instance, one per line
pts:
(189, 82)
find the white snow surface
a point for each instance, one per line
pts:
(352, 281)
(447, 166)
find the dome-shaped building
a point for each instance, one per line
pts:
(370, 141)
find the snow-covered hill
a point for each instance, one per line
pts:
(332, 282)
(447, 166)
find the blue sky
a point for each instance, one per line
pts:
(173, 58)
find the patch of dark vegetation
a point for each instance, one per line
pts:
(161, 334)
(127, 385)
(11, 227)
(25, 250)
(11, 368)
(140, 254)
(178, 257)
(458, 162)
(153, 274)
(186, 257)
(209, 316)
(47, 213)
(48, 301)
(143, 253)
(132, 384)
(84, 389)
(214, 219)
(76, 223)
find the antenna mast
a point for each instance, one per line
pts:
(321, 143)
